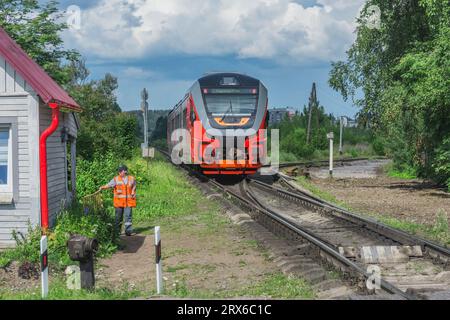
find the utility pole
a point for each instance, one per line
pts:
(312, 103)
(144, 108)
(341, 151)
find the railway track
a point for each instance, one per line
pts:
(409, 267)
(407, 263)
(323, 163)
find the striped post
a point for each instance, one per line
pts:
(44, 267)
(159, 277)
(330, 137)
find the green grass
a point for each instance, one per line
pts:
(167, 193)
(177, 268)
(306, 184)
(273, 286)
(279, 286)
(406, 173)
(59, 291)
(438, 232)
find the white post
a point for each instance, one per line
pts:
(159, 277)
(330, 136)
(44, 267)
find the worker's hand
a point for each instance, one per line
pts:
(133, 195)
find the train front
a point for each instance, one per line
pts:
(232, 109)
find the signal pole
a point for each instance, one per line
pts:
(144, 108)
(312, 103)
(341, 151)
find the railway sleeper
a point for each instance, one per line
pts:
(314, 276)
(304, 263)
(382, 254)
(438, 257)
(328, 284)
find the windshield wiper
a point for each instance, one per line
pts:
(228, 111)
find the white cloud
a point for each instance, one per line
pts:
(341, 4)
(138, 73)
(274, 29)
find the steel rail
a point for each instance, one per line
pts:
(370, 223)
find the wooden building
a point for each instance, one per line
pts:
(25, 93)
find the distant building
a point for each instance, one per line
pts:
(349, 123)
(278, 114)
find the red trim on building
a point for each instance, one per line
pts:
(34, 75)
(43, 164)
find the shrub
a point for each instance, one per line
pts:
(160, 143)
(99, 225)
(27, 250)
(441, 164)
(91, 174)
(378, 145)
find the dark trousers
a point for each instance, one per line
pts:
(120, 212)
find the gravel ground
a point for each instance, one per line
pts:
(12, 282)
(411, 200)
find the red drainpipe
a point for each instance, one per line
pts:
(43, 164)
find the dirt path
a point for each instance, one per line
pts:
(194, 259)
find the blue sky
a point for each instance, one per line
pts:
(166, 45)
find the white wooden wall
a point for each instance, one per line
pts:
(18, 101)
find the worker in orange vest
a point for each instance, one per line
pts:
(124, 198)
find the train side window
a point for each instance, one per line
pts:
(185, 118)
(193, 117)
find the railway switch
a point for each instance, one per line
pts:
(82, 249)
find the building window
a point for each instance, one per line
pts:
(5, 160)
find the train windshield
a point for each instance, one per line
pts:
(224, 104)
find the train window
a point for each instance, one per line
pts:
(229, 81)
(193, 117)
(185, 118)
(231, 104)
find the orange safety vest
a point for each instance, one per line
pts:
(122, 193)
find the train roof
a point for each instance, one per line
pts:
(215, 79)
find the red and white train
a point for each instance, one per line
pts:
(225, 117)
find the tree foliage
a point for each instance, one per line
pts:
(399, 76)
(293, 134)
(104, 128)
(36, 28)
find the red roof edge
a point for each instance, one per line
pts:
(34, 75)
